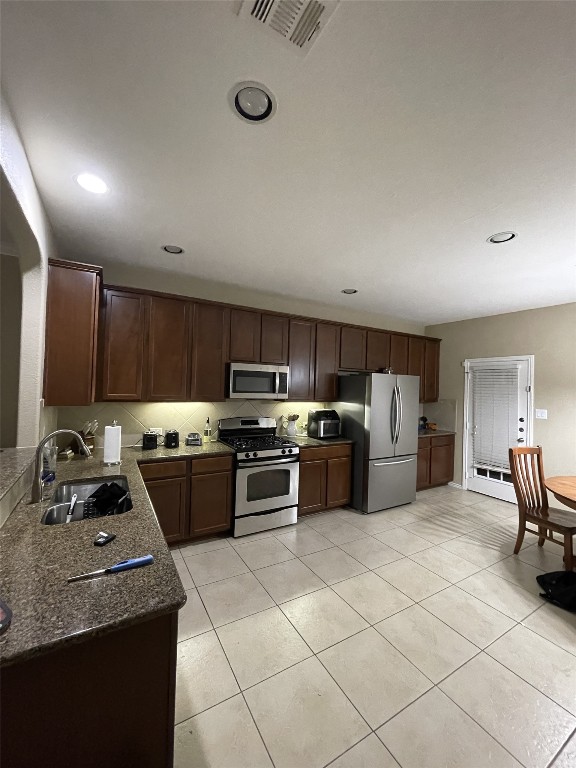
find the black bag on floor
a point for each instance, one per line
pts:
(559, 588)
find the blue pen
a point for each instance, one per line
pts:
(124, 565)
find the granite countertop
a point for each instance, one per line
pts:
(36, 561)
(435, 432)
(13, 463)
(312, 442)
(182, 452)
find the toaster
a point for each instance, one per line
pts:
(323, 424)
(171, 439)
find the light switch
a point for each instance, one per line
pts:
(541, 413)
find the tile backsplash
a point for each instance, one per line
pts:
(136, 418)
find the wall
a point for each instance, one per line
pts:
(116, 273)
(135, 418)
(550, 335)
(24, 216)
(10, 321)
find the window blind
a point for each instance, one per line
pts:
(495, 415)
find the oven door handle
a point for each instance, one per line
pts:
(275, 462)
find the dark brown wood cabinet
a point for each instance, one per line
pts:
(168, 350)
(210, 338)
(398, 353)
(327, 360)
(302, 346)
(274, 340)
(416, 361)
(353, 348)
(325, 477)
(377, 350)
(431, 370)
(245, 332)
(210, 496)
(72, 305)
(435, 461)
(125, 318)
(168, 498)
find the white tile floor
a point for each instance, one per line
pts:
(409, 638)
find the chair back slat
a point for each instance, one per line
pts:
(527, 470)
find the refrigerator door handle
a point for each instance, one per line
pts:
(389, 463)
(393, 416)
(400, 416)
(396, 402)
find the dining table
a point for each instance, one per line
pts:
(564, 489)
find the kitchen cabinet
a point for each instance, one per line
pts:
(435, 461)
(166, 485)
(72, 305)
(274, 340)
(353, 348)
(377, 350)
(431, 370)
(416, 361)
(301, 359)
(325, 477)
(210, 496)
(398, 353)
(245, 332)
(125, 316)
(326, 362)
(168, 350)
(210, 340)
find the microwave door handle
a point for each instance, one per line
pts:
(277, 385)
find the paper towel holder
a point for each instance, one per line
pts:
(112, 463)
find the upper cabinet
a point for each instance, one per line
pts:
(168, 349)
(377, 350)
(353, 348)
(210, 339)
(398, 353)
(301, 359)
(71, 333)
(327, 359)
(416, 361)
(245, 332)
(125, 320)
(431, 370)
(274, 340)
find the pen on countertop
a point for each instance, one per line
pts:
(124, 565)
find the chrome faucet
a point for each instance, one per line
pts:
(37, 482)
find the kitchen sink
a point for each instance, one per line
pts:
(60, 501)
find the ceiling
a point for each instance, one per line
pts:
(408, 134)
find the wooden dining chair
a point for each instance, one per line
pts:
(527, 470)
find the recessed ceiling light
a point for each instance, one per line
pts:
(252, 101)
(501, 237)
(172, 249)
(91, 183)
(349, 290)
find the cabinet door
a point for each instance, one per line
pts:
(353, 348)
(377, 350)
(71, 332)
(416, 361)
(245, 336)
(210, 329)
(274, 340)
(210, 503)
(441, 464)
(312, 487)
(399, 353)
(302, 346)
(168, 349)
(431, 370)
(168, 498)
(423, 469)
(125, 321)
(338, 482)
(327, 359)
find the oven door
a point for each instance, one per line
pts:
(267, 486)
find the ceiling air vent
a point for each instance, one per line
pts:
(299, 22)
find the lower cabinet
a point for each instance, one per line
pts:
(325, 480)
(435, 461)
(191, 497)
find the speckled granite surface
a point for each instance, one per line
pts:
(13, 463)
(36, 560)
(311, 442)
(184, 451)
(435, 432)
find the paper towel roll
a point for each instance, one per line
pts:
(112, 444)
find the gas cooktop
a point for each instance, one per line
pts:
(257, 443)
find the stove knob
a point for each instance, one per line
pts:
(283, 450)
(254, 454)
(246, 455)
(289, 450)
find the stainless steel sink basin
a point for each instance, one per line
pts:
(60, 501)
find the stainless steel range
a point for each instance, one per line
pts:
(267, 471)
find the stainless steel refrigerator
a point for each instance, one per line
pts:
(379, 412)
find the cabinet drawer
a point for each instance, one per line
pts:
(217, 464)
(160, 469)
(424, 442)
(442, 440)
(328, 452)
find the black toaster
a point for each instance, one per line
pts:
(171, 439)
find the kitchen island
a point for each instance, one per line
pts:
(88, 668)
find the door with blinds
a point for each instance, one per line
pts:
(498, 417)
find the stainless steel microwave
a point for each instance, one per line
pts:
(252, 381)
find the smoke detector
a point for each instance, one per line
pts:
(298, 22)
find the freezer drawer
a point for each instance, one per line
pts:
(389, 483)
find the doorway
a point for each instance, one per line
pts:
(497, 416)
